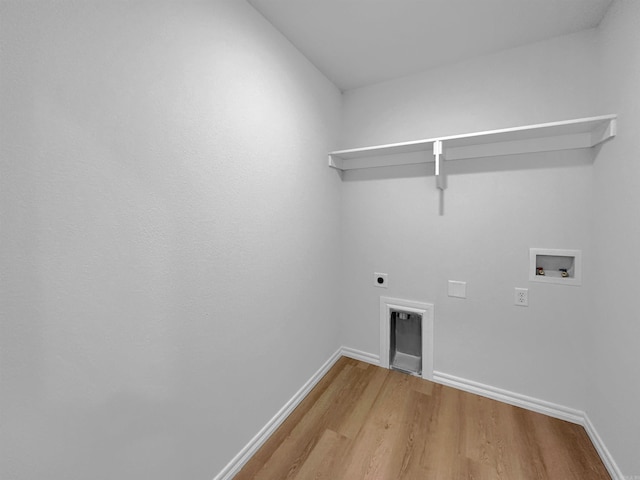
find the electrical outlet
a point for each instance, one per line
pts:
(380, 280)
(522, 297)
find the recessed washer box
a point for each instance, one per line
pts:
(552, 265)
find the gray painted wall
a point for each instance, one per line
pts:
(576, 346)
(614, 354)
(494, 211)
(169, 235)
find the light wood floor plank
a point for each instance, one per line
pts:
(362, 408)
(367, 423)
(325, 458)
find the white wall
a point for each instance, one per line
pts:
(169, 235)
(614, 360)
(576, 346)
(494, 211)
(164, 194)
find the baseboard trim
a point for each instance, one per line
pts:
(360, 355)
(541, 406)
(234, 466)
(516, 399)
(604, 453)
(534, 404)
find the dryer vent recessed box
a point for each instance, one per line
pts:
(549, 265)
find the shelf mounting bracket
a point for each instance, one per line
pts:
(441, 179)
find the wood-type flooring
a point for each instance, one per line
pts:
(365, 422)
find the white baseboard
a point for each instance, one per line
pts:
(606, 457)
(541, 406)
(360, 355)
(516, 399)
(234, 466)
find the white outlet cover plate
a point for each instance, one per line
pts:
(385, 280)
(457, 289)
(524, 292)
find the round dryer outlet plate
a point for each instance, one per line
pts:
(380, 280)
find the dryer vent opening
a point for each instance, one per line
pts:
(406, 336)
(405, 342)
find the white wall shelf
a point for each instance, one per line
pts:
(545, 137)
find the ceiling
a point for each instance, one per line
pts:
(360, 42)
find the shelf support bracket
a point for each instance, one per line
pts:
(441, 179)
